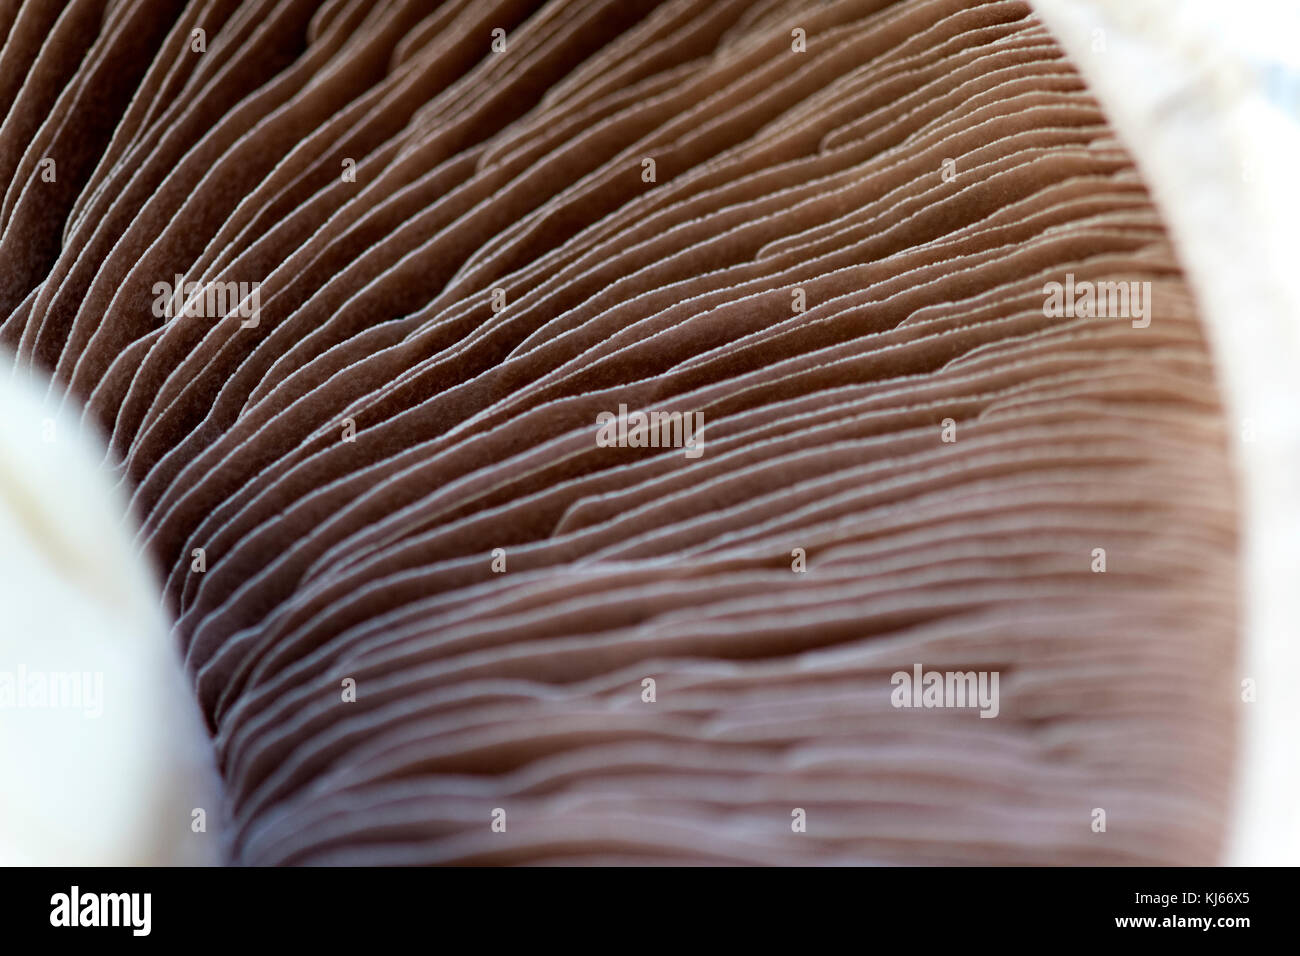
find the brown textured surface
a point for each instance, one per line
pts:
(521, 171)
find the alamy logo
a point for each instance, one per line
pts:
(103, 909)
(1102, 300)
(53, 690)
(946, 689)
(211, 300)
(651, 430)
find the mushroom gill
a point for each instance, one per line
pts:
(369, 299)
